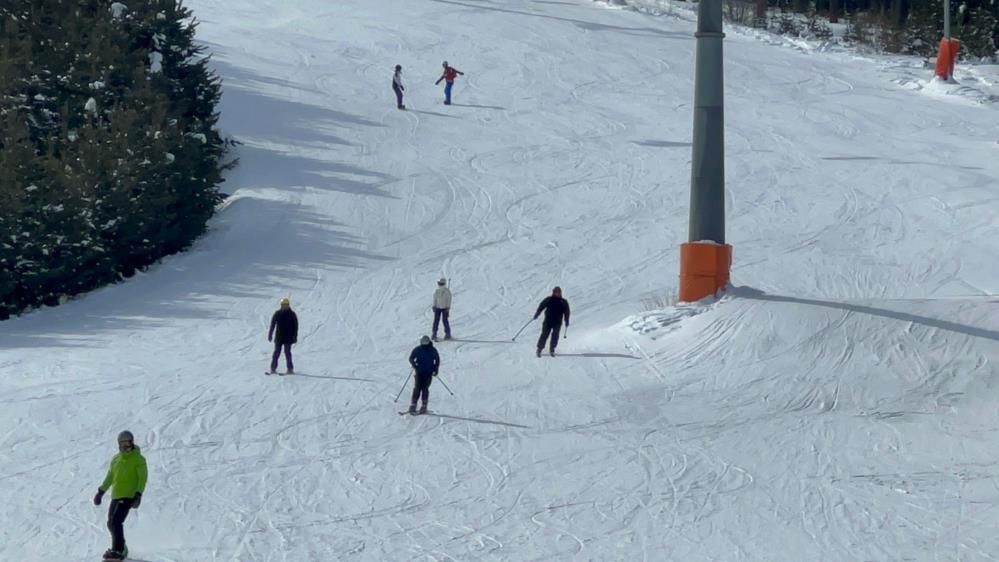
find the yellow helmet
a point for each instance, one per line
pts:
(285, 302)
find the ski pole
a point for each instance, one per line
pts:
(403, 386)
(522, 329)
(445, 384)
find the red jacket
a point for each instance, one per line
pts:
(450, 73)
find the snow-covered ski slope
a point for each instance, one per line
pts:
(839, 405)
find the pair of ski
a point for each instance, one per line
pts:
(277, 373)
(416, 413)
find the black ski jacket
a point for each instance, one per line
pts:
(425, 359)
(556, 310)
(285, 324)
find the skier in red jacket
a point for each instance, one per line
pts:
(448, 76)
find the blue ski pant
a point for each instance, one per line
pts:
(442, 314)
(447, 91)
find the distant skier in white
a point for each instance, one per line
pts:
(397, 86)
(442, 308)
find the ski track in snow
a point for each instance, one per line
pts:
(838, 403)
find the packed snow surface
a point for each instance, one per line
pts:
(839, 404)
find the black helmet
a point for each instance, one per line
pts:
(398, 67)
(126, 436)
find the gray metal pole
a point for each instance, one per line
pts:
(707, 173)
(947, 20)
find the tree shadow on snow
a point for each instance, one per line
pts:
(249, 113)
(582, 24)
(263, 167)
(756, 294)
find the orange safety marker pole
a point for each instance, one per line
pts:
(704, 269)
(947, 57)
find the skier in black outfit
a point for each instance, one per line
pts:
(556, 309)
(425, 361)
(285, 324)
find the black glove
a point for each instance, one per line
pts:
(269, 338)
(98, 496)
(137, 500)
(434, 374)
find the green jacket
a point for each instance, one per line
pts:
(126, 475)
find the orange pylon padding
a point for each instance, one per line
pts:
(946, 57)
(704, 269)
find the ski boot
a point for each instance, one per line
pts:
(539, 352)
(447, 336)
(552, 353)
(423, 408)
(412, 408)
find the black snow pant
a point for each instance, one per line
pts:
(442, 314)
(287, 356)
(422, 388)
(117, 512)
(554, 330)
(398, 96)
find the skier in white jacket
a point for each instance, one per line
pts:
(442, 308)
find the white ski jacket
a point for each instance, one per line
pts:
(442, 297)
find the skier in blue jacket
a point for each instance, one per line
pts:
(425, 362)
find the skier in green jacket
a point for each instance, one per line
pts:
(126, 479)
